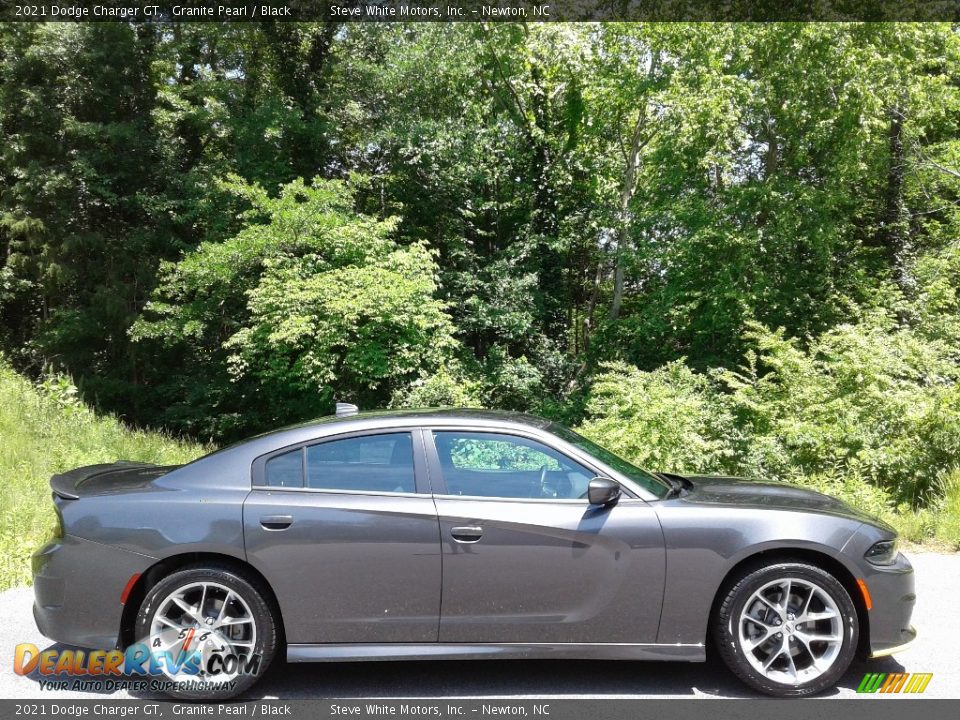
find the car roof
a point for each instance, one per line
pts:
(235, 459)
(225, 466)
(390, 418)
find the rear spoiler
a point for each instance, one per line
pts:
(64, 485)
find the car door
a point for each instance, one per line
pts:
(526, 559)
(346, 533)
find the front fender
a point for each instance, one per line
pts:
(703, 545)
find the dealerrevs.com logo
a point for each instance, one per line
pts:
(894, 682)
(115, 669)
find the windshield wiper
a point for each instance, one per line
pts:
(678, 484)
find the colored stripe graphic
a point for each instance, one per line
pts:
(918, 682)
(894, 683)
(871, 682)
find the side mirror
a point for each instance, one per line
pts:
(603, 491)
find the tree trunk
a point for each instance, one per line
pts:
(771, 159)
(592, 305)
(894, 228)
(628, 188)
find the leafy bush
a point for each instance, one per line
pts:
(948, 517)
(937, 304)
(871, 399)
(669, 419)
(444, 388)
(311, 302)
(868, 412)
(850, 487)
(501, 382)
(510, 383)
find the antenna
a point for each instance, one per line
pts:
(346, 409)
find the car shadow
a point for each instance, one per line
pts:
(535, 678)
(464, 678)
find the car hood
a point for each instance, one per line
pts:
(737, 491)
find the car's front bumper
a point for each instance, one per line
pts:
(77, 586)
(911, 632)
(892, 592)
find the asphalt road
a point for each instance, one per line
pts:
(937, 650)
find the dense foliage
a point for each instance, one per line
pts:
(866, 398)
(722, 246)
(309, 301)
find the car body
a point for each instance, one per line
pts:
(461, 534)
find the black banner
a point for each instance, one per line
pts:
(456, 709)
(477, 10)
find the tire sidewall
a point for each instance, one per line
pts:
(728, 636)
(266, 634)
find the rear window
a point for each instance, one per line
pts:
(285, 470)
(377, 463)
(369, 463)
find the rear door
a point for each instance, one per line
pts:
(526, 559)
(346, 533)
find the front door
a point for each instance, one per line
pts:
(346, 533)
(526, 559)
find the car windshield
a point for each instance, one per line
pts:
(641, 477)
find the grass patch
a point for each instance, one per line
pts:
(45, 430)
(938, 525)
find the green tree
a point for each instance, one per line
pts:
(309, 303)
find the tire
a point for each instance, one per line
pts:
(250, 628)
(756, 628)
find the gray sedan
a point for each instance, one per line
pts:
(459, 534)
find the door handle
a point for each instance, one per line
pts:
(276, 522)
(467, 534)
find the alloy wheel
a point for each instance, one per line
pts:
(791, 630)
(208, 617)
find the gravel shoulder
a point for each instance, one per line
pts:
(937, 650)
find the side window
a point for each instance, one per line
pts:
(284, 470)
(506, 466)
(373, 463)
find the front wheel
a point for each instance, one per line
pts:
(788, 629)
(210, 631)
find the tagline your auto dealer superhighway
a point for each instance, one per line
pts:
(157, 710)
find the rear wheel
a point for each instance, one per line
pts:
(214, 629)
(787, 629)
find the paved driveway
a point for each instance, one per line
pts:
(937, 650)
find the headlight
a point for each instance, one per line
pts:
(883, 552)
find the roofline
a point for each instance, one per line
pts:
(416, 416)
(237, 458)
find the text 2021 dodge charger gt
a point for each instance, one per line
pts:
(462, 535)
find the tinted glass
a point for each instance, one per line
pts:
(374, 463)
(285, 470)
(505, 466)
